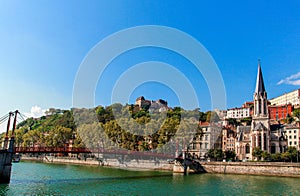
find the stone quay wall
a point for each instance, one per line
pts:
(111, 162)
(254, 168)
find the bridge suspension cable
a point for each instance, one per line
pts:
(4, 118)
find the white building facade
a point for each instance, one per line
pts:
(293, 136)
(238, 113)
(291, 97)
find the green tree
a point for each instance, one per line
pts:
(290, 154)
(59, 136)
(230, 155)
(276, 157)
(233, 121)
(218, 154)
(212, 117)
(265, 155)
(257, 152)
(247, 120)
(296, 114)
(289, 119)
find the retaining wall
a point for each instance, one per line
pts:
(117, 163)
(254, 168)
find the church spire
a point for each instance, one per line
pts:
(260, 86)
(260, 96)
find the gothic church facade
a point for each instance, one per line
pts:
(269, 138)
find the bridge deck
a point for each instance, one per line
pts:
(85, 150)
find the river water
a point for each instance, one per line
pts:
(31, 178)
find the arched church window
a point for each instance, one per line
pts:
(273, 148)
(247, 148)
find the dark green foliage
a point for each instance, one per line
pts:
(247, 120)
(230, 155)
(212, 116)
(257, 152)
(296, 114)
(139, 130)
(217, 154)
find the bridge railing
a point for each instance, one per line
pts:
(85, 150)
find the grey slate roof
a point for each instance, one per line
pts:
(259, 126)
(260, 86)
(241, 130)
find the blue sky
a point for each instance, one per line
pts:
(42, 44)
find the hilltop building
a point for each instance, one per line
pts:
(158, 105)
(238, 113)
(280, 112)
(287, 98)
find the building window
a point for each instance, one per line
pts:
(290, 131)
(295, 137)
(295, 143)
(290, 143)
(205, 145)
(294, 131)
(273, 148)
(206, 137)
(247, 148)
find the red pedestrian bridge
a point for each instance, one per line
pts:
(24, 150)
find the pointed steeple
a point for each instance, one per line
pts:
(260, 86)
(260, 96)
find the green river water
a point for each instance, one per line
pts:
(31, 178)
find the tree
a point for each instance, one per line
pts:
(247, 120)
(291, 154)
(257, 152)
(218, 154)
(276, 157)
(202, 117)
(296, 114)
(265, 155)
(289, 119)
(230, 155)
(212, 117)
(233, 121)
(59, 136)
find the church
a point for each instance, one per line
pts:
(261, 134)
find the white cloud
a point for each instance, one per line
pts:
(35, 112)
(292, 80)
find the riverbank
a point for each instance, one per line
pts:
(138, 164)
(245, 168)
(254, 168)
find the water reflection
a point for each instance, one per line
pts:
(4, 188)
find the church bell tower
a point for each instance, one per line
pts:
(260, 128)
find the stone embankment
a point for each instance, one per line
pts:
(112, 162)
(254, 168)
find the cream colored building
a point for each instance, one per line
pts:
(238, 113)
(293, 136)
(228, 139)
(291, 97)
(211, 139)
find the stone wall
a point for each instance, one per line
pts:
(254, 168)
(112, 162)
